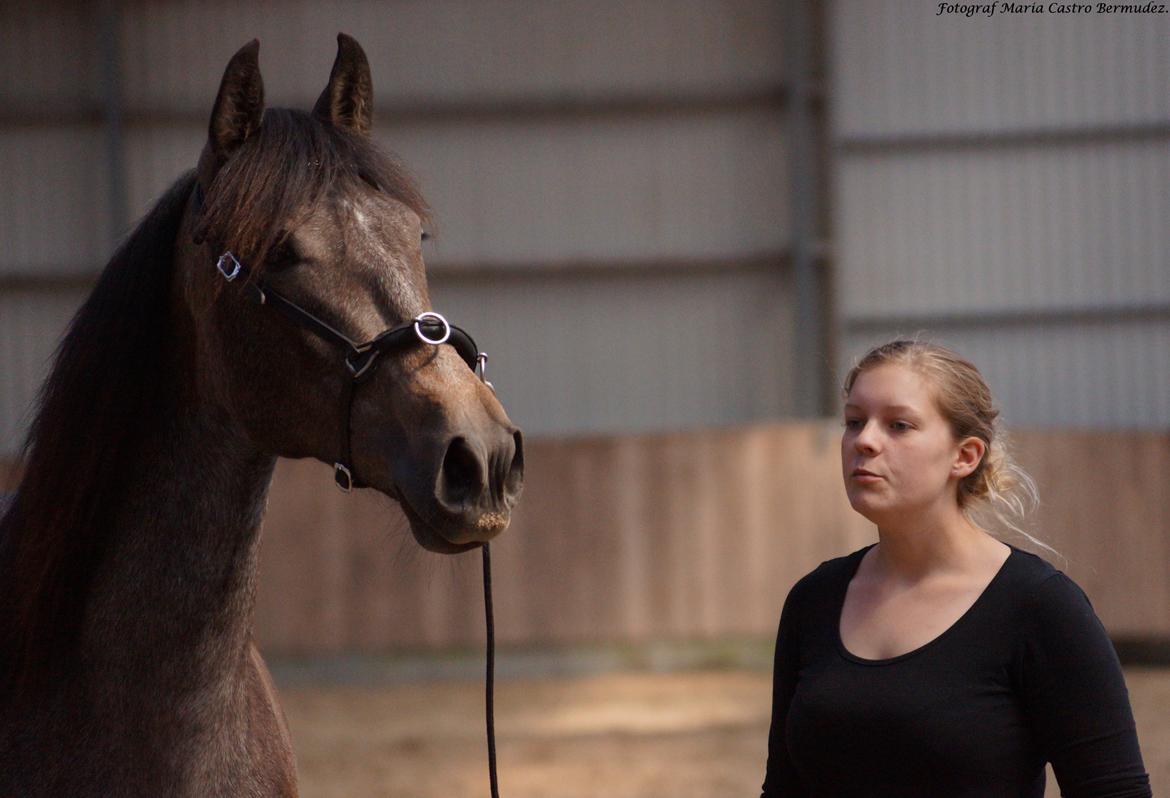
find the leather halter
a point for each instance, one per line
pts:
(427, 328)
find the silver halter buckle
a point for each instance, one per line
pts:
(222, 263)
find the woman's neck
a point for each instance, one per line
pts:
(942, 540)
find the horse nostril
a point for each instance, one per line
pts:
(462, 475)
(515, 476)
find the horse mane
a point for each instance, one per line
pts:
(87, 426)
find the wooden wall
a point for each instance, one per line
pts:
(689, 535)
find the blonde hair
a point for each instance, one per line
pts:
(998, 494)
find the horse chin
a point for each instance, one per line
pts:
(431, 538)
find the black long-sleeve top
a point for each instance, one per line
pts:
(1026, 675)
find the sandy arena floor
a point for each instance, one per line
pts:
(618, 735)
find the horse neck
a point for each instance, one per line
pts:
(171, 602)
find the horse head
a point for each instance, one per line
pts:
(323, 220)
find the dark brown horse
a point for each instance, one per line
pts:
(128, 556)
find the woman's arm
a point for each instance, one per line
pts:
(781, 779)
(1075, 696)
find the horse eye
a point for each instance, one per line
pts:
(281, 256)
(426, 236)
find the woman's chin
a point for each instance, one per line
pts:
(868, 508)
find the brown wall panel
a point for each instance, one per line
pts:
(685, 535)
(691, 534)
(1105, 506)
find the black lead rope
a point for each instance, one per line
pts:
(491, 658)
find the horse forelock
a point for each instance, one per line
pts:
(278, 176)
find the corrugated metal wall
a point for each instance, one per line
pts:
(612, 187)
(1003, 186)
(54, 189)
(609, 178)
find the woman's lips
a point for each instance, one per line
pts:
(861, 475)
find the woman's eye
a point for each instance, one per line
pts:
(900, 426)
(852, 423)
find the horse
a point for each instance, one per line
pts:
(128, 555)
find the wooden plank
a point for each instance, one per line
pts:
(695, 534)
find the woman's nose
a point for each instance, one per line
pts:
(866, 440)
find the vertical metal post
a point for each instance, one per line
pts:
(112, 116)
(809, 334)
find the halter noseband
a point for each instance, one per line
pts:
(427, 328)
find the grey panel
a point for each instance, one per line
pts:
(688, 186)
(616, 353)
(48, 55)
(938, 231)
(457, 50)
(900, 68)
(970, 240)
(656, 187)
(156, 156)
(54, 207)
(31, 324)
(656, 184)
(1086, 375)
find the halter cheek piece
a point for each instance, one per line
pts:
(427, 328)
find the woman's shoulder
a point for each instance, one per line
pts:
(1059, 637)
(829, 574)
(1043, 590)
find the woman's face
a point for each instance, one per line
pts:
(899, 457)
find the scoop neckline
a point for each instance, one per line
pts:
(852, 571)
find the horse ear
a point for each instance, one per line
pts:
(348, 100)
(239, 106)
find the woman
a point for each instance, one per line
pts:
(939, 661)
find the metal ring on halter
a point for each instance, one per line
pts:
(481, 369)
(431, 315)
(356, 371)
(343, 478)
(228, 257)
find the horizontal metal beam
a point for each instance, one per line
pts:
(1036, 137)
(53, 277)
(1142, 650)
(509, 109)
(18, 117)
(755, 261)
(1012, 317)
(46, 278)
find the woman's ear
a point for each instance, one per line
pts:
(968, 456)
